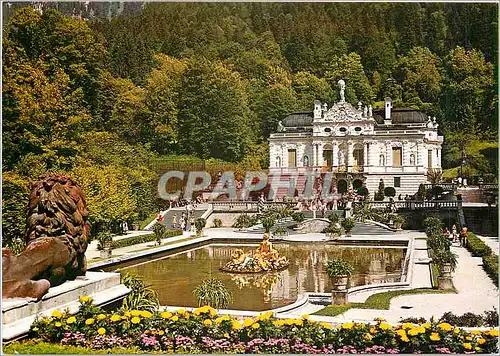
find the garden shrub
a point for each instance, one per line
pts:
(143, 238)
(490, 265)
(298, 217)
(217, 222)
(141, 296)
(433, 226)
(489, 319)
(243, 221)
(476, 246)
(203, 331)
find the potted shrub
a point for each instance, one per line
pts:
(339, 271)
(217, 222)
(268, 223)
(160, 230)
(348, 225)
(334, 218)
(446, 261)
(105, 244)
(200, 224)
(398, 221)
(332, 231)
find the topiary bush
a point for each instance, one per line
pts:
(217, 222)
(200, 224)
(389, 191)
(298, 217)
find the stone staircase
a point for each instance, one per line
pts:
(168, 216)
(370, 229)
(282, 192)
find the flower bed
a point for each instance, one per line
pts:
(203, 331)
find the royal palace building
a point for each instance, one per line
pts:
(359, 145)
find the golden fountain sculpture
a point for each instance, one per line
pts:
(265, 259)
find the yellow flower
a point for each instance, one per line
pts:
(279, 322)
(384, 326)
(115, 317)
(101, 317)
(84, 299)
(299, 322)
(468, 338)
(256, 326)
(456, 330)
(347, 325)
(407, 326)
(379, 319)
(166, 315)
(226, 335)
(101, 331)
(401, 333)
(478, 349)
(405, 339)
(467, 345)
(181, 311)
(426, 325)
(368, 336)
(475, 332)
(373, 330)
(248, 322)
(213, 312)
(236, 325)
(413, 332)
(58, 325)
(146, 314)
(305, 316)
(435, 337)
(289, 321)
(89, 321)
(70, 320)
(493, 332)
(207, 322)
(161, 332)
(135, 320)
(56, 314)
(445, 326)
(175, 318)
(481, 341)
(135, 313)
(35, 329)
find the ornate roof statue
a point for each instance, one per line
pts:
(281, 128)
(341, 84)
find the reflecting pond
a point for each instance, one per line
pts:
(174, 277)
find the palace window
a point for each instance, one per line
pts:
(328, 129)
(357, 129)
(292, 158)
(343, 129)
(396, 156)
(397, 182)
(429, 158)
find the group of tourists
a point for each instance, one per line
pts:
(184, 222)
(455, 236)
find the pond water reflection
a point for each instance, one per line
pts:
(175, 277)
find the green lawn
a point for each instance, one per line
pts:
(376, 301)
(146, 221)
(39, 348)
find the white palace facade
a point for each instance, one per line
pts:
(360, 146)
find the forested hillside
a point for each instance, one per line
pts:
(103, 99)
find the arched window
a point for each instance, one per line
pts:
(381, 160)
(278, 161)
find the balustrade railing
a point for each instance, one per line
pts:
(488, 186)
(445, 186)
(414, 204)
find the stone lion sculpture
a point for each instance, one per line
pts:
(56, 232)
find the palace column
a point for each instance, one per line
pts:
(365, 154)
(388, 154)
(313, 158)
(405, 153)
(335, 154)
(349, 158)
(320, 154)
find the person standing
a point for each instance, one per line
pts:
(463, 236)
(454, 232)
(174, 221)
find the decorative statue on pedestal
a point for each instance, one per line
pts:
(265, 259)
(341, 84)
(57, 232)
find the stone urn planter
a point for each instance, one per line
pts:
(339, 272)
(446, 261)
(105, 253)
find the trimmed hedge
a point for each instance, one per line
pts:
(142, 238)
(490, 265)
(476, 246)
